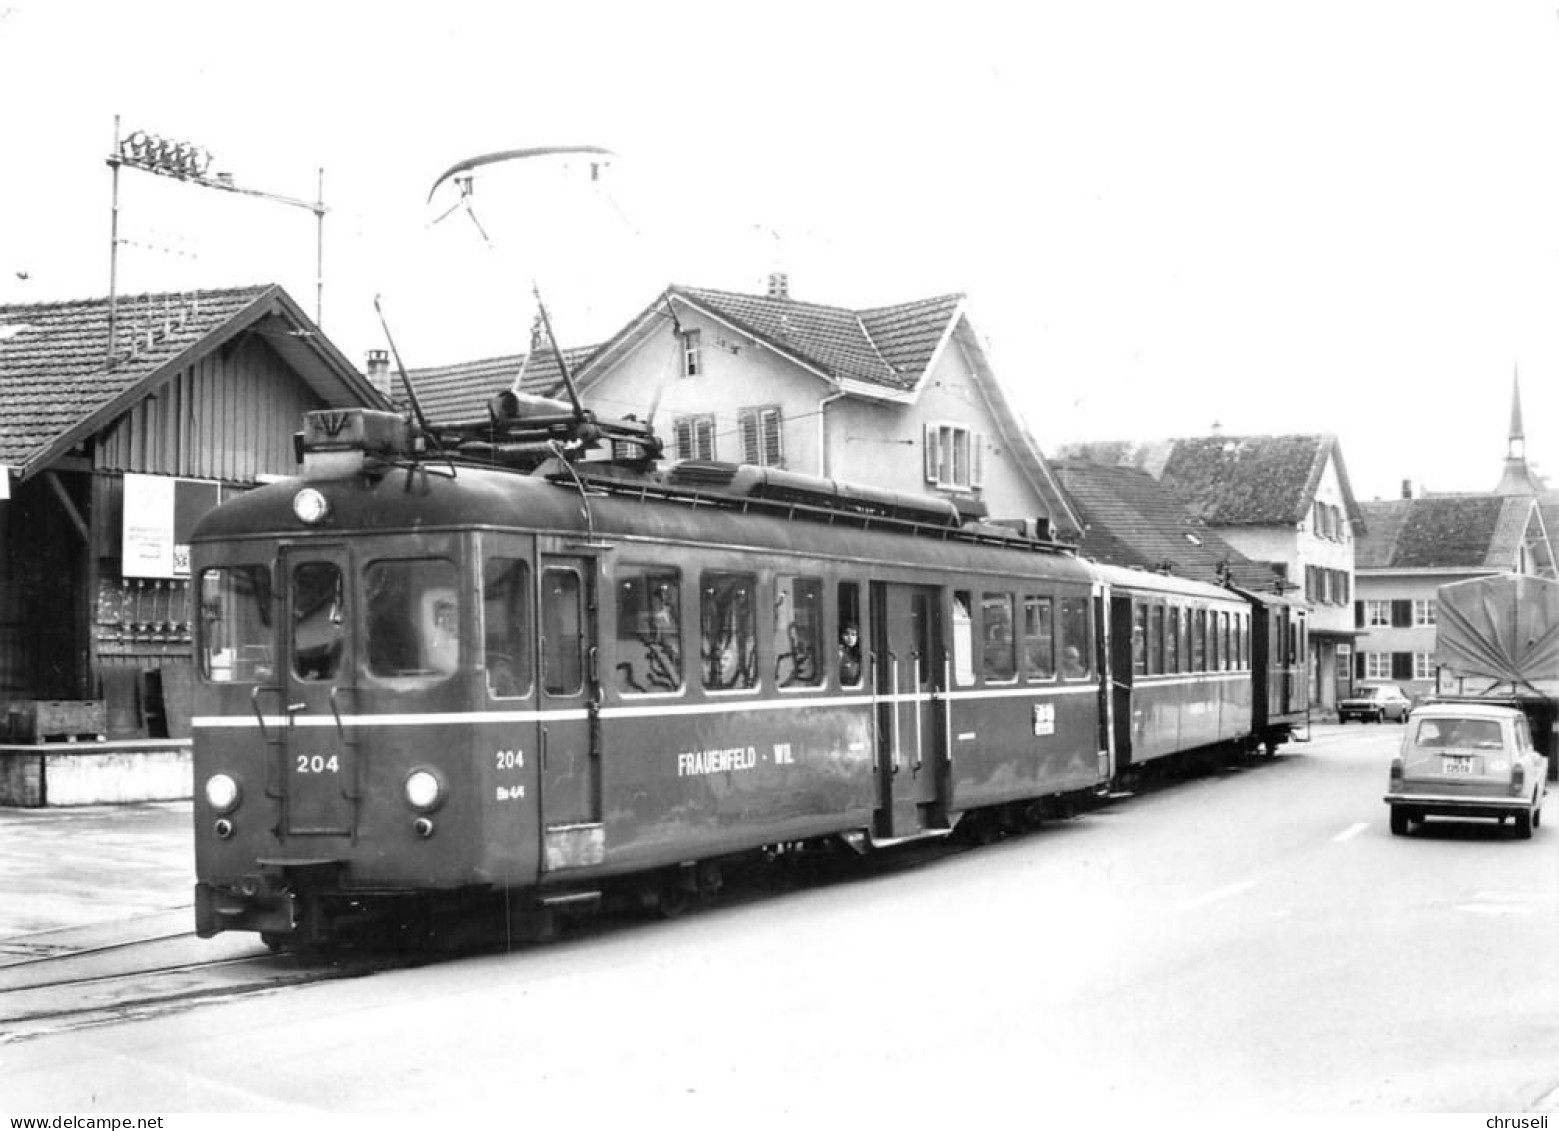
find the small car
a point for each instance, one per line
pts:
(1467, 760)
(1375, 702)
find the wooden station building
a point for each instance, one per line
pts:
(121, 423)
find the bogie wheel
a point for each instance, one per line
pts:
(1524, 825)
(1398, 821)
(274, 941)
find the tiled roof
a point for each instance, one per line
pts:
(1131, 520)
(55, 367)
(1443, 532)
(461, 391)
(889, 346)
(1248, 480)
(1233, 480)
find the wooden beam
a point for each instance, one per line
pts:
(69, 506)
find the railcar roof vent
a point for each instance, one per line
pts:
(703, 473)
(851, 498)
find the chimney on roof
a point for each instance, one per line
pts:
(1407, 488)
(379, 371)
(779, 284)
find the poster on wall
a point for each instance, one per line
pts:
(159, 513)
(148, 526)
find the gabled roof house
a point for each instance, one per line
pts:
(901, 396)
(1284, 501)
(155, 405)
(1131, 519)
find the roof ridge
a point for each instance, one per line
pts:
(858, 311)
(102, 300)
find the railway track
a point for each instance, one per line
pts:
(51, 981)
(77, 977)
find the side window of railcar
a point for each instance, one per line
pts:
(1001, 664)
(798, 631)
(963, 639)
(1172, 641)
(1199, 640)
(506, 605)
(1213, 641)
(1139, 638)
(413, 618)
(1156, 640)
(728, 622)
(1076, 637)
(1039, 637)
(318, 620)
(649, 630)
(562, 632)
(850, 666)
(236, 625)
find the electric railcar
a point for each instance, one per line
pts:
(425, 677)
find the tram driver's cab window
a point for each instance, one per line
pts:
(236, 625)
(412, 613)
(506, 631)
(318, 603)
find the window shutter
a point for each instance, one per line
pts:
(1401, 665)
(772, 433)
(747, 424)
(682, 438)
(1358, 665)
(977, 460)
(1358, 614)
(933, 456)
(1402, 614)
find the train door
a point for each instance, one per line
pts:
(1099, 606)
(907, 651)
(569, 738)
(315, 751)
(1121, 674)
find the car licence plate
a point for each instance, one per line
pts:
(1456, 764)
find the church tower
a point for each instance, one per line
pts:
(1518, 478)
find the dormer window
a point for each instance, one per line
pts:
(692, 354)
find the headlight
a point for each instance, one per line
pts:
(310, 506)
(424, 791)
(222, 793)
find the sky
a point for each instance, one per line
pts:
(1168, 218)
